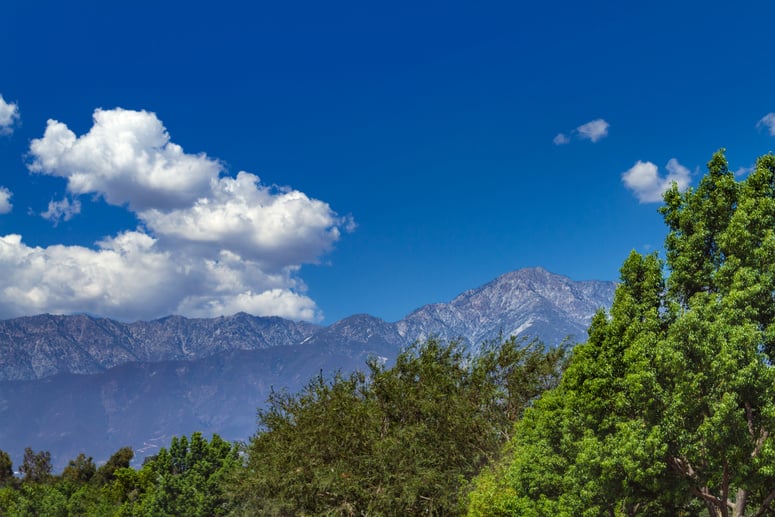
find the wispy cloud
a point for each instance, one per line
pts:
(593, 131)
(209, 244)
(9, 115)
(5, 201)
(645, 182)
(743, 171)
(767, 121)
(61, 210)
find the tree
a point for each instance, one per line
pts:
(122, 458)
(6, 468)
(36, 466)
(188, 478)
(401, 440)
(80, 470)
(669, 406)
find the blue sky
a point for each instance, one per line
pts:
(316, 160)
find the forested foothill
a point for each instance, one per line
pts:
(667, 409)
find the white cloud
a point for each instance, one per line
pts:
(209, 245)
(5, 200)
(767, 121)
(129, 277)
(644, 181)
(127, 158)
(124, 277)
(274, 228)
(593, 130)
(743, 171)
(61, 210)
(9, 114)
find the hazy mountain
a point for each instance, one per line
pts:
(38, 346)
(144, 404)
(82, 384)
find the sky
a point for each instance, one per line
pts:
(314, 160)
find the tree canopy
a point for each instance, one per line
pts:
(402, 440)
(669, 407)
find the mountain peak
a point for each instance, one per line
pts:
(174, 375)
(529, 301)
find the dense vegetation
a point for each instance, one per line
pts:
(402, 440)
(186, 479)
(668, 409)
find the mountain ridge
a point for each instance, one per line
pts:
(34, 347)
(141, 383)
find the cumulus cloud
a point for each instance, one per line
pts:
(61, 210)
(9, 114)
(209, 244)
(767, 121)
(270, 226)
(5, 200)
(127, 158)
(129, 277)
(644, 181)
(593, 131)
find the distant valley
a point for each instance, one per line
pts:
(71, 384)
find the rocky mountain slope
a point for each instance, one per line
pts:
(530, 302)
(38, 346)
(71, 384)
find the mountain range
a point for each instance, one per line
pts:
(71, 384)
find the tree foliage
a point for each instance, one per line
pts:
(36, 466)
(6, 468)
(402, 440)
(669, 407)
(186, 479)
(80, 470)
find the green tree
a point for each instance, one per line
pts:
(402, 440)
(6, 468)
(122, 458)
(36, 466)
(80, 470)
(669, 407)
(187, 479)
(35, 499)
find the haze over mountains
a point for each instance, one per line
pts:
(72, 384)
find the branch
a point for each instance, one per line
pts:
(682, 466)
(765, 504)
(725, 485)
(763, 434)
(749, 419)
(707, 496)
(740, 502)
